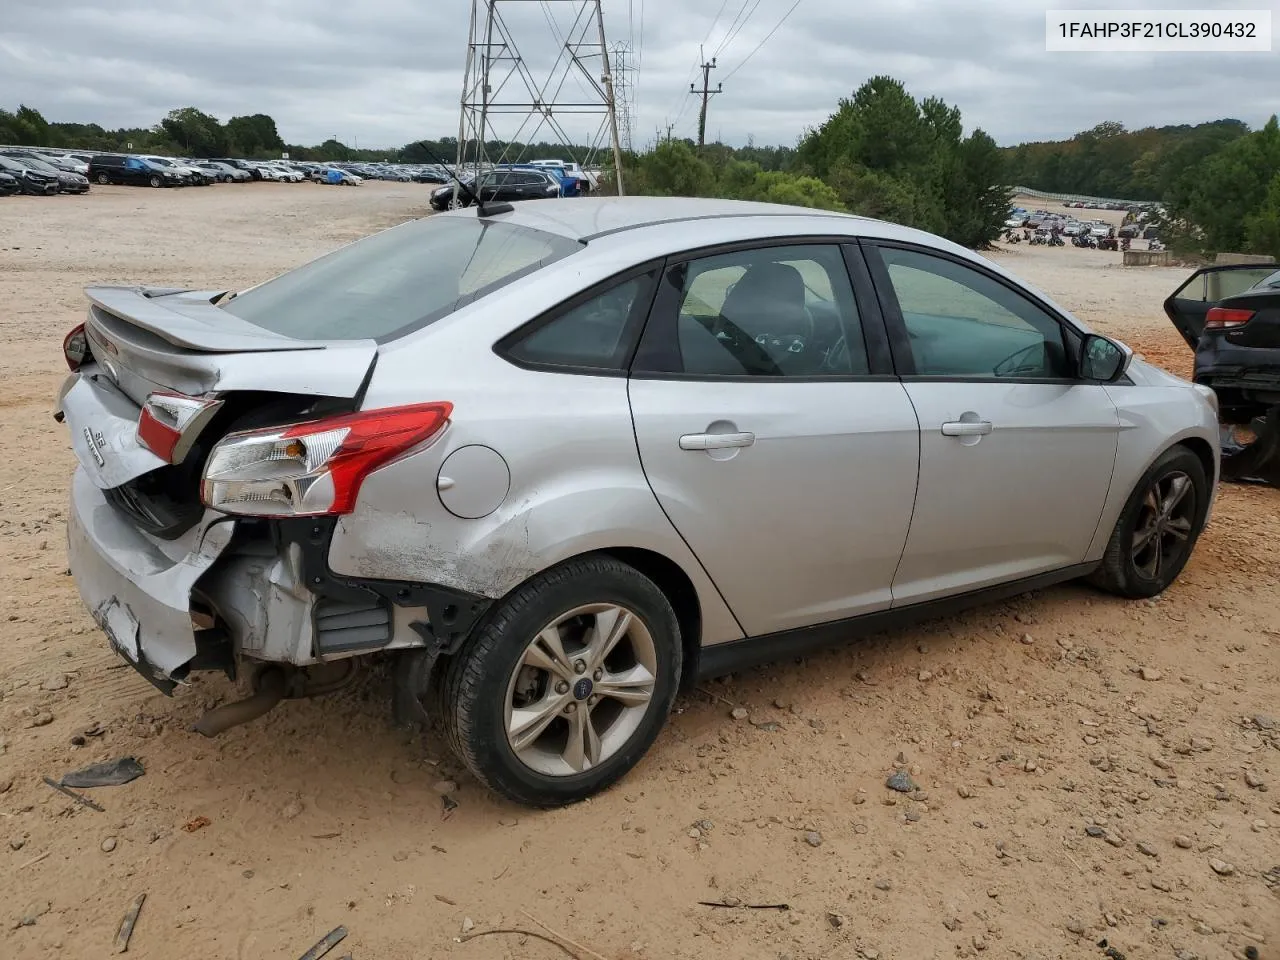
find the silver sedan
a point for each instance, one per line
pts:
(563, 458)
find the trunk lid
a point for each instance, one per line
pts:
(147, 340)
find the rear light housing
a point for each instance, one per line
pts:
(1226, 318)
(170, 422)
(314, 468)
(75, 348)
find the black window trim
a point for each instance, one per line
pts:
(904, 362)
(632, 331)
(870, 317)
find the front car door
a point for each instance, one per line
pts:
(1016, 451)
(773, 432)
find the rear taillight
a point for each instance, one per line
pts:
(170, 422)
(75, 348)
(1226, 318)
(313, 468)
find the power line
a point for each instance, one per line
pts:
(765, 40)
(729, 39)
(732, 23)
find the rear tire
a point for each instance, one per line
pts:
(103, 179)
(614, 697)
(1157, 529)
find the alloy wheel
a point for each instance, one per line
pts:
(1165, 520)
(580, 689)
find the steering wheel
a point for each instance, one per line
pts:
(1029, 360)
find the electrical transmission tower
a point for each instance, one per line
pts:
(624, 90)
(499, 85)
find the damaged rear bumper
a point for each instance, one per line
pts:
(139, 589)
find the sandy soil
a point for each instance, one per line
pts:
(1027, 726)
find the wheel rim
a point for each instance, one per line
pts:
(1162, 534)
(455, 203)
(580, 690)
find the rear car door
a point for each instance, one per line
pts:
(773, 432)
(1016, 452)
(1187, 306)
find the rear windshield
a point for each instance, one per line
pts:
(398, 280)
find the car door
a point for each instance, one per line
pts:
(1016, 452)
(1187, 306)
(492, 185)
(134, 171)
(773, 432)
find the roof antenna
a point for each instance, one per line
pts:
(482, 209)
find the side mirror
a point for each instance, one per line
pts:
(1103, 360)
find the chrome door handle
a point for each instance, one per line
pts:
(716, 441)
(966, 428)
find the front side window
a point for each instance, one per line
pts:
(960, 323)
(786, 311)
(398, 280)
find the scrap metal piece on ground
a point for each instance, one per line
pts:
(73, 795)
(113, 773)
(331, 940)
(127, 924)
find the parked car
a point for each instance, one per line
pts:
(553, 458)
(31, 180)
(68, 182)
(224, 172)
(114, 168)
(586, 181)
(190, 175)
(9, 184)
(501, 186)
(1230, 317)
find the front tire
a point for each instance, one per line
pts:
(567, 683)
(1158, 528)
(156, 182)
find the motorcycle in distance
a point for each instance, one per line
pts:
(1055, 240)
(1084, 241)
(1012, 236)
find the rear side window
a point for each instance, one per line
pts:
(398, 280)
(595, 334)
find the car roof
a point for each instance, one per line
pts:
(588, 218)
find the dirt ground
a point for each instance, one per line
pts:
(1083, 764)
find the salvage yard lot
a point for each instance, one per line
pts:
(1083, 763)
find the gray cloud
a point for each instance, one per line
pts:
(383, 72)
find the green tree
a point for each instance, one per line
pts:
(195, 132)
(254, 136)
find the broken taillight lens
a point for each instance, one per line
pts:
(313, 468)
(75, 348)
(1226, 318)
(170, 422)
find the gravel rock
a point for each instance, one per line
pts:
(1028, 639)
(444, 787)
(695, 833)
(1221, 867)
(34, 912)
(1263, 722)
(884, 885)
(1182, 842)
(6, 784)
(1253, 781)
(925, 675)
(738, 713)
(57, 682)
(901, 782)
(1076, 927)
(1095, 832)
(813, 838)
(108, 844)
(1147, 849)
(17, 843)
(291, 809)
(1161, 884)
(912, 815)
(41, 719)
(1259, 825)
(1150, 673)
(965, 791)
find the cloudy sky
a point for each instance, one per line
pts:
(383, 72)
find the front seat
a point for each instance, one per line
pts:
(767, 304)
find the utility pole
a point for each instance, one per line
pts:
(706, 93)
